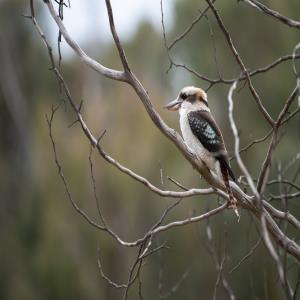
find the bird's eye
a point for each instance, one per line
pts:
(183, 96)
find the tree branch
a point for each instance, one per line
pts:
(241, 64)
(279, 17)
(109, 73)
(116, 37)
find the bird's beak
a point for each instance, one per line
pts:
(174, 105)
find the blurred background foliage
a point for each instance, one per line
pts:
(48, 251)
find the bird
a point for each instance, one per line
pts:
(203, 136)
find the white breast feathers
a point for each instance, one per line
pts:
(194, 143)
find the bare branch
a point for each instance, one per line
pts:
(176, 286)
(262, 213)
(264, 9)
(288, 182)
(60, 172)
(116, 37)
(256, 141)
(278, 235)
(156, 190)
(191, 219)
(109, 73)
(286, 106)
(275, 63)
(253, 73)
(241, 64)
(263, 176)
(189, 28)
(295, 112)
(106, 278)
(251, 251)
(237, 144)
(219, 263)
(95, 189)
(287, 196)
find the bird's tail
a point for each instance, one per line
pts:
(232, 201)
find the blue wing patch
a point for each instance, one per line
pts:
(206, 130)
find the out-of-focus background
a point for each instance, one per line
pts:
(47, 250)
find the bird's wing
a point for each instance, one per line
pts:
(205, 128)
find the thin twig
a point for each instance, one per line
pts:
(116, 37)
(240, 63)
(251, 251)
(189, 28)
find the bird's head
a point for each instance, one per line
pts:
(190, 98)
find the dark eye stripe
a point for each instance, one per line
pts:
(183, 96)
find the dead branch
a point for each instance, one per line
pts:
(241, 64)
(107, 72)
(272, 13)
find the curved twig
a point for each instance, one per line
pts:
(107, 72)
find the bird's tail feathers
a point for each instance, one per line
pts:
(225, 174)
(227, 166)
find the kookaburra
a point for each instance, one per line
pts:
(202, 134)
